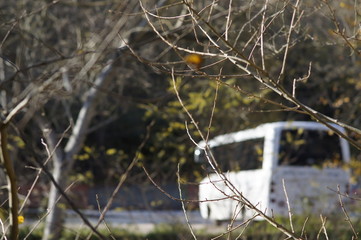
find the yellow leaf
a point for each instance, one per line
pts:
(111, 151)
(89, 174)
(87, 149)
(19, 142)
(21, 219)
(83, 157)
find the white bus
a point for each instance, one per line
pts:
(305, 158)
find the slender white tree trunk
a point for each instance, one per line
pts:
(55, 219)
(63, 160)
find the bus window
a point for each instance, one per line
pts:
(239, 156)
(302, 147)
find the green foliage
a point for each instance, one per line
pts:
(96, 164)
(169, 231)
(205, 99)
(35, 235)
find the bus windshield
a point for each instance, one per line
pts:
(301, 147)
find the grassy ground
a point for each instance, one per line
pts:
(308, 228)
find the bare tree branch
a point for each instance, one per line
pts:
(11, 183)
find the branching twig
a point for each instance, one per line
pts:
(103, 220)
(46, 214)
(323, 228)
(226, 50)
(228, 184)
(183, 206)
(258, 73)
(69, 201)
(50, 155)
(292, 26)
(3, 230)
(339, 31)
(245, 224)
(347, 217)
(301, 79)
(124, 176)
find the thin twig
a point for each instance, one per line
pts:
(70, 202)
(183, 206)
(3, 230)
(285, 55)
(50, 155)
(262, 35)
(46, 214)
(347, 217)
(16, 110)
(266, 80)
(245, 223)
(228, 23)
(100, 211)
(236, 212)
(288, 205)
(303, 231)
(228, 184)
(339, 31)
(301, 79)
(124, 176)
(323, 228)
(190, 136)
(213, 109)
(259, 74)
(175, 198)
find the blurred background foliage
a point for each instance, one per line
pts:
(51, 38)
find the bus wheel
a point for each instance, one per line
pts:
(219, 222)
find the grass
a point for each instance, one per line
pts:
(308, 228)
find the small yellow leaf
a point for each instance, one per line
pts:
(21, 219)
(83, 157)
(19, 142)
(87, 149)
(111, 151)
(88, 174)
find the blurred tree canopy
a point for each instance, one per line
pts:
(46, 45)
(85, 82)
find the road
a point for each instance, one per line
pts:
(140, 220)
(140, 216)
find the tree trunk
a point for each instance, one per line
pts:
(63, 159)
(55, 220)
